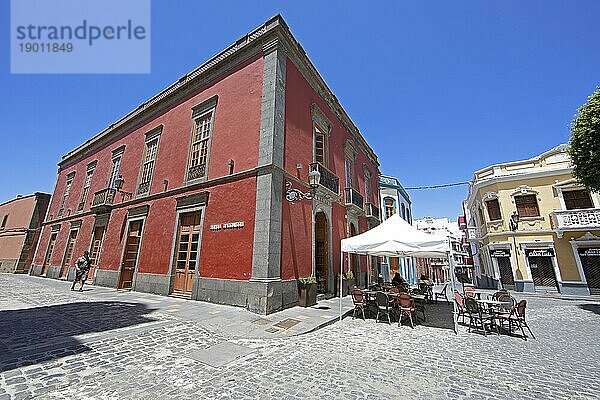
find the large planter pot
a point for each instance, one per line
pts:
(344, 287)
(349, 284)
(308, 294)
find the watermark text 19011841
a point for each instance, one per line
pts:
(74, 36)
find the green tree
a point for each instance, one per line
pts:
(584, 146)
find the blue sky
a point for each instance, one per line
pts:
(438, 88)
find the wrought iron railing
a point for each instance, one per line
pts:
(371, 210)
(328, 178)
(353, 197)
(104, 197)
(196, 172)
(143, 188)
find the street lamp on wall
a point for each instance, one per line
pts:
(118, 185)
(292, 195)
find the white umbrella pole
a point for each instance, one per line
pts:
(341, 277)
(452, 277)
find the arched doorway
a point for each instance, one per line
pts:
(321, 252)
(354, 258)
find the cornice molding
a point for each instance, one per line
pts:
(272, 35)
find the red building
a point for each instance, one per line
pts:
(20, 222)
(190, 192)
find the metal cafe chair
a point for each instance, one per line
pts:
(359, 301)
(442, 293)
(460, 305)
(406, 306)
(476, 316)
(517, 317)
(383, 306)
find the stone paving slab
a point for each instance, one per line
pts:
(131, 350)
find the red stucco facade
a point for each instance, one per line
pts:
(264, 101)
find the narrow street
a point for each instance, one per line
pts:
(103, 344)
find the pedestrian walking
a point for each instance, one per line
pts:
(82, 266)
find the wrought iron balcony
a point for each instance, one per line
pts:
(371, 210)
(103, 199)
(576, 220)
(328, 179)
(354, 198)
(196, 172)
(143, 188)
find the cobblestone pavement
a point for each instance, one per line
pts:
(55, 344)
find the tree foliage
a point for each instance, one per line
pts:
(584, 146)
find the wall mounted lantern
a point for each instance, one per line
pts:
(293, 195)
(118, 184)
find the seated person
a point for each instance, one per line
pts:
(398, 280)
(379, 285)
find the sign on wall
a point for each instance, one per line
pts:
(500, 253)
(228, 225)
(589, 252)
(539, 252)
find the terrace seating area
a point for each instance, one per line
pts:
(480, 312)
(497, 312)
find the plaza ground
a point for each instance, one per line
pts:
(104, 344)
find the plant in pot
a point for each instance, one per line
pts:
(349, 281)
(307, 288)
(344, 285)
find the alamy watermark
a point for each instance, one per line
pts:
(75, 36)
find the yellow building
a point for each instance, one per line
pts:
(534, 228)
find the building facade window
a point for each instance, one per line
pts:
(4, 220)
(148, 162)
(367, 188)
(390, 207)
(320, 146)
(114, 171)
(527, 206)
(349, 170)
(577, 199)
(493, 208)
(199, 149)
(86, 188)
(403, 208)
(66, 192)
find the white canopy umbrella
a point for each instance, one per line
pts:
(395, 237)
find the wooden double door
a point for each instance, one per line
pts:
(186, 257)
(130, 255)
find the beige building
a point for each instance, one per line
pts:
(20, 221)
(534, 228)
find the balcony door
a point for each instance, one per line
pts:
(186, 261)
(130, 254)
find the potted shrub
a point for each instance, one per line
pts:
(307, 288)
(349, 281)
(337, 286)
